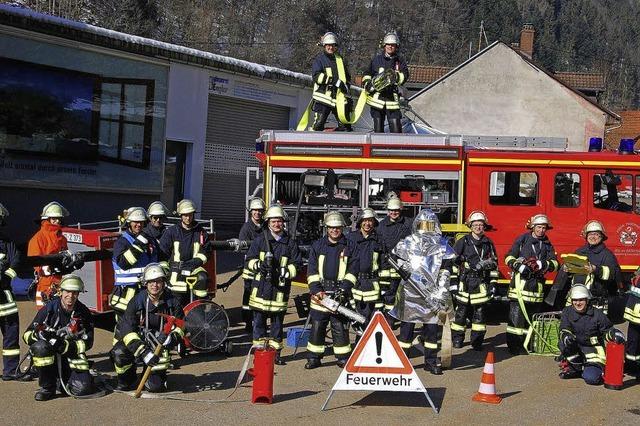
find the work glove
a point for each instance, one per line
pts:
(524, 271)
(168, 340)
(265, 268)
(492, 291)
(284, 273)
(345, 289)
(149, 358)
(569, 340)
(368, 86)
(341, 85)
(615, 335)
(192, 264)
(58, 343)
(45, 335)
(72, 261)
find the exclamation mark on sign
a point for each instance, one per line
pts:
(379, 346)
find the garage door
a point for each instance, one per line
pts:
(232, 128)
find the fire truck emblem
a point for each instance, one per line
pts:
(628, 234)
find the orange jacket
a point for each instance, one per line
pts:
(48, 240)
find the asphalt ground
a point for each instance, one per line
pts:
(532, 391)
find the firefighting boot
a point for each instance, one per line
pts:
(44, 394)
(279, 360)
(341, 363)
(378, 125)
(395, 126)
(433, 366)
(312, 363)
(568, 371)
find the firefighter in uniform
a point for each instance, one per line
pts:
(49, 240)
(632, 314)
(330, 273)
(386, 73)
(366, 291)
(391, 230)
(330, 76)
(183, 246)
(274, 259)
(584, 329)
(131, 253)
(426, 244)
(600, 271)
(249, 231)
(59, 337)
(530, 258)
(475, 270)
(157, 213)
(9, 322)
(141, 329)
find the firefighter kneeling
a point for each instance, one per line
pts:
(59, 336)
(140, 330)
(583, 330)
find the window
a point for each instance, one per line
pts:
(124, 130)
(513, 188)
(613, 192)
(567, 190)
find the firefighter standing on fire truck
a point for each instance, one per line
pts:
(157, 213)
(473, 281)
(9, 321)
(274, 259)
(330, 76)
(249, 231)
(331, 273)
(391, 230)
(49, 240)
(366, 291)
(59, 337)
(601, 267)
(141, 329)
(530, 258)
(386, 73)
(134, 250)
(183, 245)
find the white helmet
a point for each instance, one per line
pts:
(153, 271)
(274, 212)
(53, 209)
(539, 219)
(256, 204)
(158, 209)
(334, 220)
(391, 38)
(329, 38)
(185, 207)
(594, 226)
(394, 203)
(136, 214)
(476, 216)
(71, 282)
(579, 291)
(367, 213)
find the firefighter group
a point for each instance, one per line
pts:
(380, 266)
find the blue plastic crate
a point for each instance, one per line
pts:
(299, 334)
(21, 285)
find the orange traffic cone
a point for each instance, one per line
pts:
(487, 391)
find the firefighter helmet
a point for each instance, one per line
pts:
(579, 291)
(391, 38)
(394, 203)
(53, 209)
(426, 223)
(186, 206)
(329, 38)
(594, 226)
(477, 215)
(539, 219)
(153, 271)
(367, 213)
(274, 212)
(157, 209)
(256, 204)
(136, 214)
(4, 213)
(71, 282)
(334, 220)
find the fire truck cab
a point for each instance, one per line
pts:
(510, 179)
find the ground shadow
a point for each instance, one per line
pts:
(293, 395)
(397, 399)
(508, 394)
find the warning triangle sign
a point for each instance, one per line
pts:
(378, 351)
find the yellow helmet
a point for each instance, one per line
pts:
(157, 209)
(136, 214)
(185, 207)
(334, 220)
(71, 282)
(594, 226)
(539, 219)
(394, 203)
(53, 209)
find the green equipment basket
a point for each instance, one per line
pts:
(542, 336)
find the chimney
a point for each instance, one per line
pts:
(526, 40)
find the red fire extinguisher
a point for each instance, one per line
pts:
(614, 368)
(262, 372)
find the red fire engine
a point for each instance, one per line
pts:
(510, 179)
